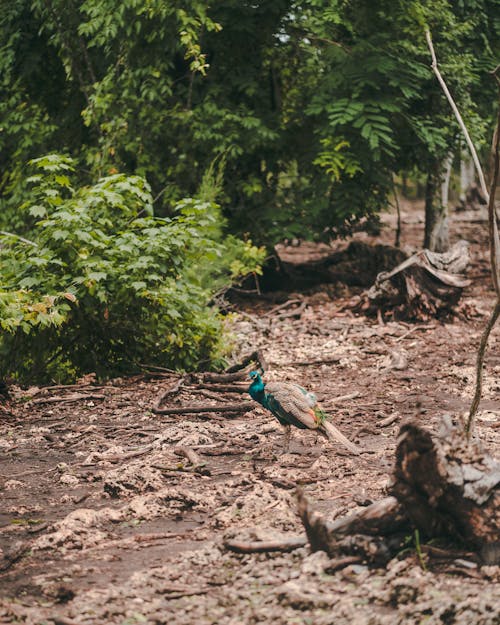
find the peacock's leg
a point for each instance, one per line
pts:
(286, 438)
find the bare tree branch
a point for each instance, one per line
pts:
(492, 224)
(457, 114)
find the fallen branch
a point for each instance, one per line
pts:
(311, 363)
(296, 312)
(67, 399)
(222, 388)
(263, 546)
(341, 398)
(256, 357)
(190, 454)
(243, 407)
(287, 304)
(383, 423)
(224, 377)
(173, 390)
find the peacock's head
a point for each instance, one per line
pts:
(254, 375)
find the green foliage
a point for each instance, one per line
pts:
(161, 89)
(103, 285)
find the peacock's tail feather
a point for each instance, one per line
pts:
(336, 435)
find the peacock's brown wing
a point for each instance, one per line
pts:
(291, 405)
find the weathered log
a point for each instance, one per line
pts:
(444, 485)
(376, 533)
(449, 486)
(424, 285)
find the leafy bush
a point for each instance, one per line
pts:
(102, 285)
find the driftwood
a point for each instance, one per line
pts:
(443, 486)
(423, 286)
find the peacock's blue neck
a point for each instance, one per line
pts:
(256, 390)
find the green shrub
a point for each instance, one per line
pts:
(102, 285)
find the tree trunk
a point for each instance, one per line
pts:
(467, 177)
(436, 215)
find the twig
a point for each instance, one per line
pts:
(31, 472)
(63, 387)
(495, 269)
(243, 407)
(341, 563)
(295, 312)
(341, 398)
(414, 329)
(261, 546)
(397, 242)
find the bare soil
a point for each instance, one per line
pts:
(101, 521)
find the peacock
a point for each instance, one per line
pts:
(293, 405)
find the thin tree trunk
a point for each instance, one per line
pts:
(436, 236)
(466, 176)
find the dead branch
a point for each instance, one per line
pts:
(188, 453)
(64, 387)
(221, 388)
(311, 363)
(341, 398)
(255, 357)
(454, 107)
(296, 312)
(287, 304)
(388, 421)
(216, 378)
(495, 269)
(67, 398)
(492, 222)
(262, 546)
(479, 366)
(207, 408)
(173, 390)
(375, 534)
(340, 563)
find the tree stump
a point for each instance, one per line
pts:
(423, 286)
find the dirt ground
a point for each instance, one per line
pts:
(101, 521)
